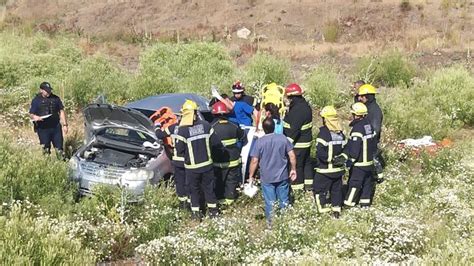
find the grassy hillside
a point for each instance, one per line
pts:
(423, 212)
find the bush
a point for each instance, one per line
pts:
(323, 87)
(390, 69)
(41, 179)
(453, 89)
(429, 108)
(26, 240)
(264, 68)
(93, 77)
(194, 67)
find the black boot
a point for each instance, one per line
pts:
(213, 212)
(336, 215)
(196, 216)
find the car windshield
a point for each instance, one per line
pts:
(127, 135)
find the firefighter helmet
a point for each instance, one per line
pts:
(367, 89)
(293, 90)
(219, 108)
(238, 87)
(328, 111)
(359, 109)
(189, 105)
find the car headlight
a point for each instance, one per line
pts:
(139, 174)
(73, 168)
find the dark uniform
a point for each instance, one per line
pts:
(360, 150)
(328, 178)
(49, 130)
(195, 142)
(177, 160)
(297, 126)
(375, 116)
(227, 162)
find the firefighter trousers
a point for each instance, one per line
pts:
(182, 189)
(324, 184)
(204, 182)
(227, 181)
(304, 170)
(360, 183)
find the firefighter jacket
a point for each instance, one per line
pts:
(329, 144)
(297, 123)
(362, 145)
(375, 116)
(177, 159)
(230, 135)
(196, 142)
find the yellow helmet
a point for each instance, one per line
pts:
(189, 105)
(367, 89)
(328, 111)
(359, 109)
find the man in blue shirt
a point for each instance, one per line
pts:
(47, 113)
(271, 153)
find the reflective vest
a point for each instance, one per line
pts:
(362, 144)
(195, 143)
(329, 144)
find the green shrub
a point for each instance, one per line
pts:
(93, 77)
(39, 178)
(453, 89)
(331, 31)
(412, 113)
(27, 240)
(390, 69)
(264, 68)
(190, 67)
(323, 87)
(436, 107)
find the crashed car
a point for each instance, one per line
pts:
(121, 147)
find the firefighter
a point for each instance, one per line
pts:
(358, 154)
(366, 95)
(297, 126)
(227, 162)
(327, 177)
(196, 138)
(177, 160)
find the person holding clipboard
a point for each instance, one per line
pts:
(49, 118)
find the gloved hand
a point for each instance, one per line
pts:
(339, 160)
(215, 93)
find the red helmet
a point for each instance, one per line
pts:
(219, 108)
(238, 87)
(293, 90)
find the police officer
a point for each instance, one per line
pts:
(227, 162)
(297, 126)
(196, 138)
(47, 113)
(358, 154)
(328, 178)
(177, 160)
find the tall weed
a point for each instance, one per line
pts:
(324, 87)
(194, 67)
(390, 69)
(264, 68)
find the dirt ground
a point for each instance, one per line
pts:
(438, 32)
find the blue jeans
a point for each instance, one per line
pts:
(274, 192)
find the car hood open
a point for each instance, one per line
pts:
(98, 116)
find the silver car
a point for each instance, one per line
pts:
(121, 148)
